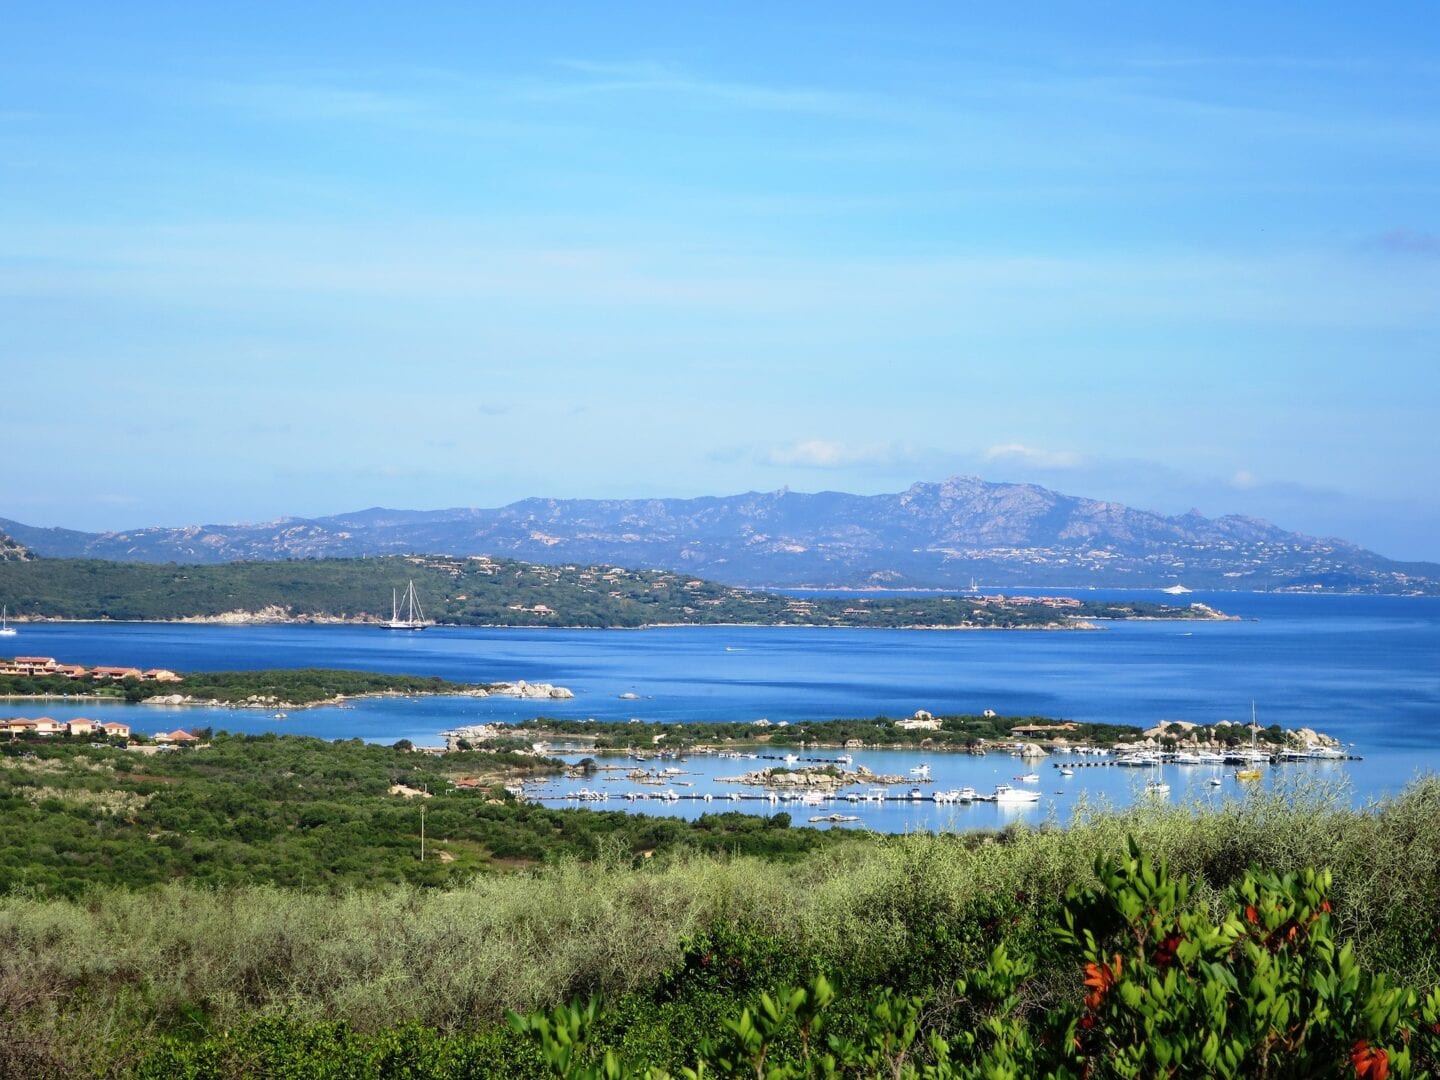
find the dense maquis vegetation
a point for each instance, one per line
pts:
(489, 592)
(955, 732)
(291, 686)
(297, 811)
(397, 980)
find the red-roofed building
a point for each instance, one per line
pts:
(116, 673)
(31, 665)
(116, 730)
(160, 675)
(177, 738)
(81, 726)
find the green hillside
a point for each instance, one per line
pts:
(485, 592)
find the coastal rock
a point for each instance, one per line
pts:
(821, 776)
(528, 690)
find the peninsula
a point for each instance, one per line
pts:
(483, 591)
(44, 677)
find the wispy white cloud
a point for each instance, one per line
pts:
(1034, 456)
(310, 100)
(833, 454)
(651, 78)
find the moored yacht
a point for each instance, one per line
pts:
(1004, 793)
(414, 617)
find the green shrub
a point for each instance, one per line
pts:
(1165, 989)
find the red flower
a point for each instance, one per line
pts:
(1370, 1064)
(1252, 914)
(1165, 951)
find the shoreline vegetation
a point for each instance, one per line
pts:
(960, 733)
(261, 906)
(291, 688)
(488, 592)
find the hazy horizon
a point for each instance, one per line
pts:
(259, 267)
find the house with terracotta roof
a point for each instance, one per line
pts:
(116, 673)
(116, 730)
(31, 665)
(20, 726)
(81, 726)
(45, 726)
(160, 675)
(176, 738)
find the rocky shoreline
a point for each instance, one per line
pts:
(820, 777)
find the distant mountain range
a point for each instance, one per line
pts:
(932, 535)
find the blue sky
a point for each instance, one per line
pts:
(299, 259)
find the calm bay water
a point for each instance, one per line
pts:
(1365, 669)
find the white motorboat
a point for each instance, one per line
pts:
(1028, 778)
(1004, 793)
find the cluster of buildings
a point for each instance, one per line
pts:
(47, 665)
(44, 726)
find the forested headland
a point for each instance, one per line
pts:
(499, 592)
(288, 687)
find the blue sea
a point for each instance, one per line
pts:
(1364, 669)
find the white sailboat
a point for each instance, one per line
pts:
(6, 630)
(414, 617)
